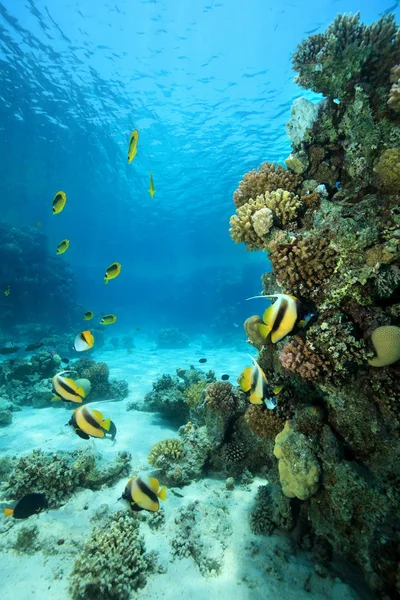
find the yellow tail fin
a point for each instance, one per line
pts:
(8, 512)
(106, 424)
(162, 494)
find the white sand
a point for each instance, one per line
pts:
(254, 567)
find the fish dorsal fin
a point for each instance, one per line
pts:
(97, 415)
(154, 484)
(245, 380)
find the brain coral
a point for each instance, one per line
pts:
(299, 469)
(386, 342)
(113, 562)
(267, 178)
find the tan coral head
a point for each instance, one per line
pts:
(386, 342)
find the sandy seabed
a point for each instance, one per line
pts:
(255, 567)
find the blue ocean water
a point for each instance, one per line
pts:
(209, 87)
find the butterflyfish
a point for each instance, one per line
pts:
(133, 142)
(83, 341)
(88, 315)
(108, 320)
(7, 291)
(66, 389)
(30, 504)
(152, 191)
(59, 202)
(144, 493)
(63, 247)
(281, 318)
(89, 422)
(112, 272)
(254, 380)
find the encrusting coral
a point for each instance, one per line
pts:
(113, 562)
(387, 169)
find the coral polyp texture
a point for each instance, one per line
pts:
(334, 243)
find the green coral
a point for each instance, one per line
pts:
(166, 451)
(194, 394)
(113, 563)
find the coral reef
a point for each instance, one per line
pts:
(272, 510)
(220, 398)
(113, 562)
(165, 451)
(101, 386)
(172, 338)
(267, 178)
(339, 254)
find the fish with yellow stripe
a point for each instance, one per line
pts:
(84, 341)
(112, 272)
(108, 319)
(89, 422)
(151, 190)
(59, 202)
(67, 389)
(133, 143)
(63, 247)
(254, 381)
(282, 318)
(144, 493)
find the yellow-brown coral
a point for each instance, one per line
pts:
(304, 265)
(267, 178)
(242, 227)
(262, 221)
(394, 94)
(219, 397)
(299, 469)
(251, 327)
(285, 206)
(388, 169)
(170, 450)
(263, 422)
(386, 342)
(193, 395)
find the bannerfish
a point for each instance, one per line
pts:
(60, 200)
(83, 341)
(112, 272)
(66, 389)
(88, 315)
(202, 360)
(65, 361)
(34, 346)
(108, 320)
(254, 380)
(30, 504)
(133, 142)
(152, 191)
(9, 348)
(7, 291)
(225, 377)
(89, 422)
(63, 247)
(143, 493)
(282, 317)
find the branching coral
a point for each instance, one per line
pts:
(113, 562)
(242, 227)
(286, 206)
(299, 357)
(304, 265)
(194, 394)
(264, 423)
(267, 178)
(235, 452)
(262, 221)
(169, 450)
(394, 94)
(219, 397)
(331, 63)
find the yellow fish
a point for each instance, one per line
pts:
(151, 190)
(88, 315)
(143, 493)
(7, 291)
(254, 380)
(112, 272)
(89, 422)
(63, 247)
(108, 320)
(133, 142)
(66, 389)
(282, 318)
(60, 200)
(83, 341)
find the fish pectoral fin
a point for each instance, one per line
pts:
(264, 330)
(81, 433)
(8, 512)
(254, 399)
(106, 424)
(154, 484)
(162, 494)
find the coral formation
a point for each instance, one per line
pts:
(387, 169)
(113, 562)
(386, 342)
(194, 394)
(220, 398)
(267, 178)
(264, 423)
(299, 469)
(98, 374)
(251, 327)
(272, 510)
(394, 94)
(172, 338)
(166, 451)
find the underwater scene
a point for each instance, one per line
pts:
(199, 300)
